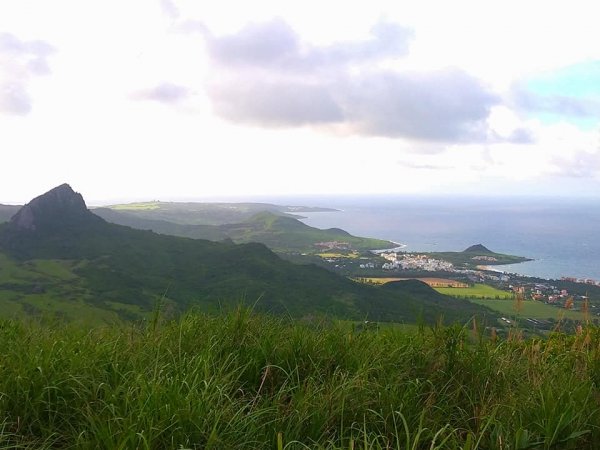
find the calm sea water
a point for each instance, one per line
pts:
(562, 236)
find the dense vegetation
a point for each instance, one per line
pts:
(240, 380)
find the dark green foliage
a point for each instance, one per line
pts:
(240, 380)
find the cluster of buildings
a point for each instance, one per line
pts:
(484, 258)
(414, 262)
(333, 245)
(581, 280)
(543, 293)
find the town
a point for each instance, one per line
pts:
(568, 293)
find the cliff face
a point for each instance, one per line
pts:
(58, 206)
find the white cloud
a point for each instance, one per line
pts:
(20, 61)
(266, 75)
(168, 93)
(332, 105)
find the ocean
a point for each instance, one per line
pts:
(561, 235)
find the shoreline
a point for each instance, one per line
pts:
(399, 247)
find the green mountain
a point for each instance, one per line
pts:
(282, 233)
(58, 257)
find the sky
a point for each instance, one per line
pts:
(182, 99)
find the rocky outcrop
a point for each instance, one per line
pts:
(59, 205)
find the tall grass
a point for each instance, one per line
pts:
(240, 380)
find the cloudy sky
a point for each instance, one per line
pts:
(182, 99)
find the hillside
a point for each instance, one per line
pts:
(123, 270)
(281, 233)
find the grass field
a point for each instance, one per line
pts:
(476, 291)
(142, 206)
(375, 280)
(504, 303)
(242, 381)
(352, 255)
(530, 308)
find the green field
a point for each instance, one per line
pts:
(530, 308)
(503, 302)
(476, 291)
(142, 206)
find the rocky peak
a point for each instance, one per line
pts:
(57, 205)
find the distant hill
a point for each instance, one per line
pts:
(209, 232)
(281, 233)
(289, 234)
(7, 211)
(199, 213)
(479, 249)
(59, 257)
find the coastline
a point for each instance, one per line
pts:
(398, 248)
(490, 269)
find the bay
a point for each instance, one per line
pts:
(561, 235)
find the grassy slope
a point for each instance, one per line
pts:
(246, 382)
